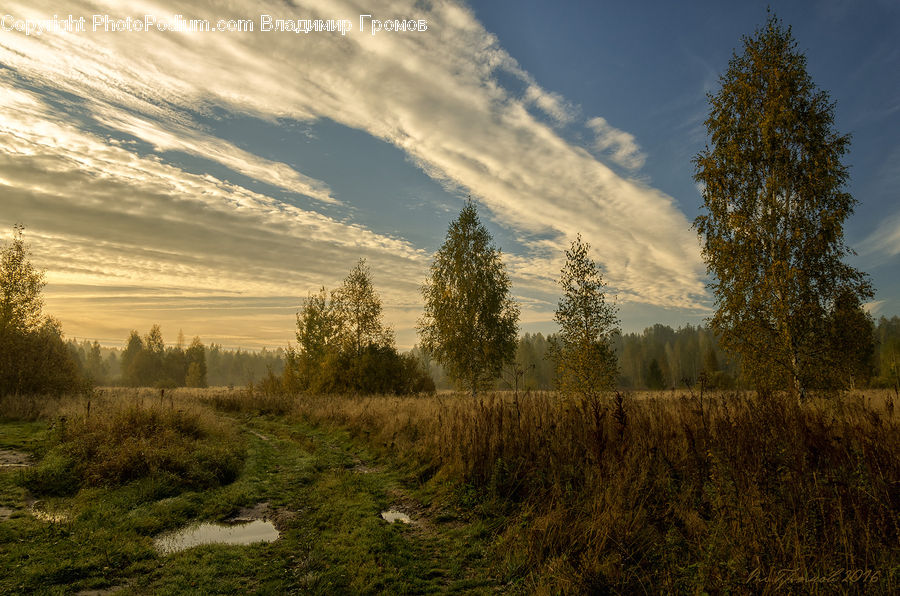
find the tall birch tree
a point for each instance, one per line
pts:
(774, 205)
(470, 322)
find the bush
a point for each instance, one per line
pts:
(192, 450)
(379, 369)
(55, 476)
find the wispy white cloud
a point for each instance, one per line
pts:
(621, 145)
(885, 240)
(874, 307)
(102, 218)
(433, 94)
(190, 140)
(552, 104)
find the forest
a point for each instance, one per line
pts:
(657, 358)
(114, 366)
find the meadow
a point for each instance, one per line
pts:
(650, 492)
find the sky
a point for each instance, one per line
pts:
(209, 181)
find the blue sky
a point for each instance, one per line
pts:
(208, 181)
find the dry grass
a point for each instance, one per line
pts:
(649, 493)
(246, 401)
(663, 491)
(114, 436)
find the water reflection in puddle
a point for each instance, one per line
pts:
(392, 515)
(46, 516)
(195, 535)
(39, 511)
(14, 459)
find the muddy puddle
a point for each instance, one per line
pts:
(40, 511)
(206, 533)
(14, 459)
(392, 515)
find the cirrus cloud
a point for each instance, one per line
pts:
(436, 95)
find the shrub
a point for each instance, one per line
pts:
(126, 442)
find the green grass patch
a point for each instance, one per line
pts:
(182, 449)
(323, 490)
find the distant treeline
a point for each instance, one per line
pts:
(660, 357)
(146, 361)
(657, 358)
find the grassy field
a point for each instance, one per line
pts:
(645, 493)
